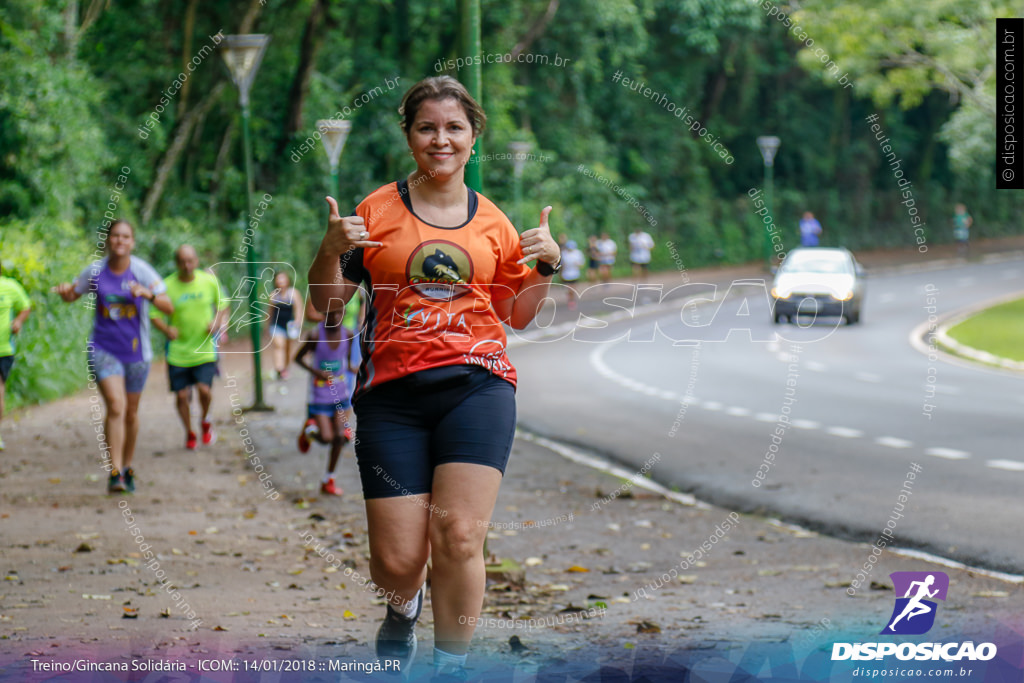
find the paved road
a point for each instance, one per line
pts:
(863, 406)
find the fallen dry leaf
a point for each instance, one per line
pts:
(647, 627)
(577, 569)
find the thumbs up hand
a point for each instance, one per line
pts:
(537, 243)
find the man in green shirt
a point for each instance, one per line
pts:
(14, 309)
(200, 311)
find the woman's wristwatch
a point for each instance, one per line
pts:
(546, 269)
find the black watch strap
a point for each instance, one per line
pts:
(546, 269)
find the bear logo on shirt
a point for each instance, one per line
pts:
(440, 270)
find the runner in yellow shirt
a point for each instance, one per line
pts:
(200, 311)
(14, 309)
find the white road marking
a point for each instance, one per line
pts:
(945, 389)
(712, 405)
(737, 411)
(886, 298)
(1011, 465)
(964, 281)
(806, 424)
(868, 377)
(815, 365)
(845, 432)
(947, 453)
(893, 442)
(766, 417)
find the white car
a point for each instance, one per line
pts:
(818, 281)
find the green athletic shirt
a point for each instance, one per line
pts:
(350, 320)
(13, 300)
(195, 305)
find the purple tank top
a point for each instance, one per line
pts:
(332, 361)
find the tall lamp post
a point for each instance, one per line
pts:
(334, 132)
(469, 46)
(769, 145)
(243, 54)
(519, 151)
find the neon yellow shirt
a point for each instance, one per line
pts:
(196, 303)
(13, 300)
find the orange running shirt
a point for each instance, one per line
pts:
(431, 288)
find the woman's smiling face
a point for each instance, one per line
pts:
(441, 137)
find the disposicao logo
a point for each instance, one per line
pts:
(914, 614)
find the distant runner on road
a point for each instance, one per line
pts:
(15, 307)
(119, 349)
(200, 311)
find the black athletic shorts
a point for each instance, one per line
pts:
(6, 362)
(183, 377)
(409, 426)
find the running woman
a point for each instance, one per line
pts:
(200, 311)
(285, 321)
(435, 395)
(572, 268)
(15, 307)
(118, 350)
(329, 400)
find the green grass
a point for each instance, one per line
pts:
(998, 330)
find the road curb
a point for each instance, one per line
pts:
(953, 347)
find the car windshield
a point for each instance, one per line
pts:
(817, 265)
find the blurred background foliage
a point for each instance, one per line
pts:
(79, 77)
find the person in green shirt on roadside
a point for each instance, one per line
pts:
(200, 311)
(14, 309)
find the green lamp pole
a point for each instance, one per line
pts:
(519, 151)
(469, 46)
(243, 54)
(334, 132)
(769, 145)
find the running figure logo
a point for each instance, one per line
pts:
(914, 613)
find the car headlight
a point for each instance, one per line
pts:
(845, 295)
(778, 294)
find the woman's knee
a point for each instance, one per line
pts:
(398, 563)
(116, 407)
(457, 539)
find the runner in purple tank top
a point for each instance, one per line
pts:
(118, 350)
(329, 403)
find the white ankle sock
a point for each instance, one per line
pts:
(328, 477)
(446, 662)
(409, 609)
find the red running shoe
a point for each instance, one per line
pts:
(330, 488)
(209, 436)
(191, 441)
(347, 433)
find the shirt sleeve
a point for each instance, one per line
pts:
(351, 264)
(21, 300)
(147, 276)
(218, 293)
(509, 275)
(84, 282)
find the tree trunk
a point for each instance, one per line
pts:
(312, 41)
(177, 146)
(186, 52)
(218, 167)
(536, 30)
